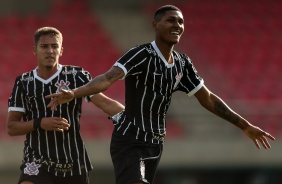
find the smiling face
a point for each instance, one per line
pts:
(48, 50)
(169, 27)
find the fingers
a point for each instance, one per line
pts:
(269, 136)
(50, 104)
(56, 124)
(263, 141)
(61, 128)
(53, 95)
(256, 143)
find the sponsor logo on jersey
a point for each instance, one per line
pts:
(69, 72)
(27, 78)
(151, 51)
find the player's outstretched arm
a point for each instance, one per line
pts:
(96, 85)
(217, 106)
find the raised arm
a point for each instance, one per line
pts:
(217, 106)
(98, 84)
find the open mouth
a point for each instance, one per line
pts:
(49, 57)
(177, 33)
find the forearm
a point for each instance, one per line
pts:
(113, 108)
(97, 85)
(17, 128)
(221, 109)
(106, 104)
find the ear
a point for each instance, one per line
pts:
(61, 52)
(34, 50)
(154, 24)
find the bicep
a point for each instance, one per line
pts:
(115, 73)
(204, 96)
(14, 116)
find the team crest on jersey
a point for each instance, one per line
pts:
(62, 85)
(178, 78)
(32, 168)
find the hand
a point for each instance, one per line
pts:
(59, 98)
(54, 123)
(258, 135)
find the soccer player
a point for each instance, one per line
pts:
(54, 152)
(152, 72)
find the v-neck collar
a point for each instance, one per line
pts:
(50, 79)
(161, 55)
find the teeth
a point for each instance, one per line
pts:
(174, 32)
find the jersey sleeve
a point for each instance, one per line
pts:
(191, 82)
(16, 101)
(84, 77)
(131, 62)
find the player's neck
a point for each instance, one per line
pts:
(166, 51)
(46, 72)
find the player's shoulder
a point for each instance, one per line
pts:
(143, 47)
(26, 76)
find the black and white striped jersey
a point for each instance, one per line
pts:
(150, 82)
(62, 153)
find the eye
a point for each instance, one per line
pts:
(171, 20)
(55, 46)
(180, 21)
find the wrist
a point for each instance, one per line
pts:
(73, 93)
(37, 124)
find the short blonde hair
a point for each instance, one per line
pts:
(47, 31)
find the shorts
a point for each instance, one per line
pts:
(133, 160)
(44, 177)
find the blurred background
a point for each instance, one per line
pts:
(235, 46)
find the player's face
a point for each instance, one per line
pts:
(48, 50)
(170, 27)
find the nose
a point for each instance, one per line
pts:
(50, 49)
(178, 24)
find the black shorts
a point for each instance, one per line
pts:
(133, 160)
(44, 177)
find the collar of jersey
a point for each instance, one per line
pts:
(161, 55)
(50, 79)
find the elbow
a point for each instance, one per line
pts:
(105, 87)
(10, 132)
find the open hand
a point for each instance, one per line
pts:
(259, 136)
(59, 98)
